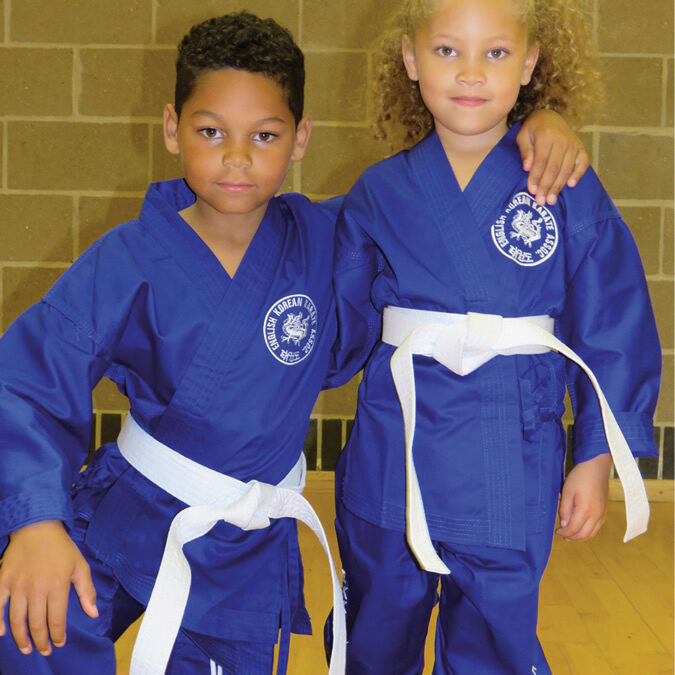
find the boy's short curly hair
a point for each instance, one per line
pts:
(241, 41)
(565, 78)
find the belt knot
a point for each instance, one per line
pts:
(483, 331)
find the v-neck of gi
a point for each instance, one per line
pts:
(495, 176)
(462, 216)
(195, 257)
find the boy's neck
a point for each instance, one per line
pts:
(227, 235)
(466, 153)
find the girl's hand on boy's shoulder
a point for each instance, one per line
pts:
(38, 566)
(583, 501)
(552, 153)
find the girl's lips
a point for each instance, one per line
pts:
(469, 101)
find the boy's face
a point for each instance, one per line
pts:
(236, 136)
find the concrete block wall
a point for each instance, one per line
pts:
(83, 83)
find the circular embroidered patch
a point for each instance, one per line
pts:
(526, 232)
(290, 329)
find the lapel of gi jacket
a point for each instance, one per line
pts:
(462, 229)
(460, 233)
(233, 326)
(464, 232)
(495, 181)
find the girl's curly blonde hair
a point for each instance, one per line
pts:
(565, 78)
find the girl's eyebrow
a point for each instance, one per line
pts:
(454, 38)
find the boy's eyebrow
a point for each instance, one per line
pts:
(216, 116)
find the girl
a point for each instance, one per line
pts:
(436, 245)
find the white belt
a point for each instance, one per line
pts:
(212, 497)
(462, 343)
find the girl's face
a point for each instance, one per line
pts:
(470, 59)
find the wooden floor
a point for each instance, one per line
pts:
(606, 607)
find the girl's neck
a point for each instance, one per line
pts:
(466, 153)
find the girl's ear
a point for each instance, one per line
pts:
(530, 63)
(170, 121)
(409, 61)
(302, 134)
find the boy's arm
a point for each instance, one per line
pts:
(584, 499)
(51, 357)
(552, 153)
(357, 263)
(49, 368)
(38, 566)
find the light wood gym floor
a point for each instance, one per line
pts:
(606, 607)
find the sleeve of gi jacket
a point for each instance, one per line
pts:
(608, 320)
(357, 263)
(51, 358)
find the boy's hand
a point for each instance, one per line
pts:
(37, 569)
(552, 153)
(584, 499)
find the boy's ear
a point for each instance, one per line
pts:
(408, 51)
(171, 130)
(530, 62)
(302, 133)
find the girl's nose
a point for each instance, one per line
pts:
(470, 73)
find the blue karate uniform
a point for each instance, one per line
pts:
(489, 447)
(223, 370)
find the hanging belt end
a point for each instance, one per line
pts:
(428, 559)
(634, 530)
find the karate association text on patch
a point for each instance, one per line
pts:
(526, 232)
(290, 328)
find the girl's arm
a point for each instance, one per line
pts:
(608, 321)
(552, 153)
(584, 499)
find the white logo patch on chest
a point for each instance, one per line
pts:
(526, 232)
(290, 329)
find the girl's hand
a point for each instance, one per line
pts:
(37, 569)
(552, 153)
(584, 499)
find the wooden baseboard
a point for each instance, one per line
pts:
(657, 490)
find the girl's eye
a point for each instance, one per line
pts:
(210, 132)
(265, 136)
(498, 53)
(446, 51)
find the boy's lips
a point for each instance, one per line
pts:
(235, 187)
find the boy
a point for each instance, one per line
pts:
(216, 283)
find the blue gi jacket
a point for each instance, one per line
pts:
(224, 371)
(489, 447)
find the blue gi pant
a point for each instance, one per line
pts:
(90, 642)
(487, 609)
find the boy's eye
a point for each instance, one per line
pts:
(265, 136)
(497, 53)
(210, 132)
(446, 51)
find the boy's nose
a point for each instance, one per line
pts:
(237, 155)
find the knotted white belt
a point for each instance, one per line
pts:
(212, 496)
(462, 343)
